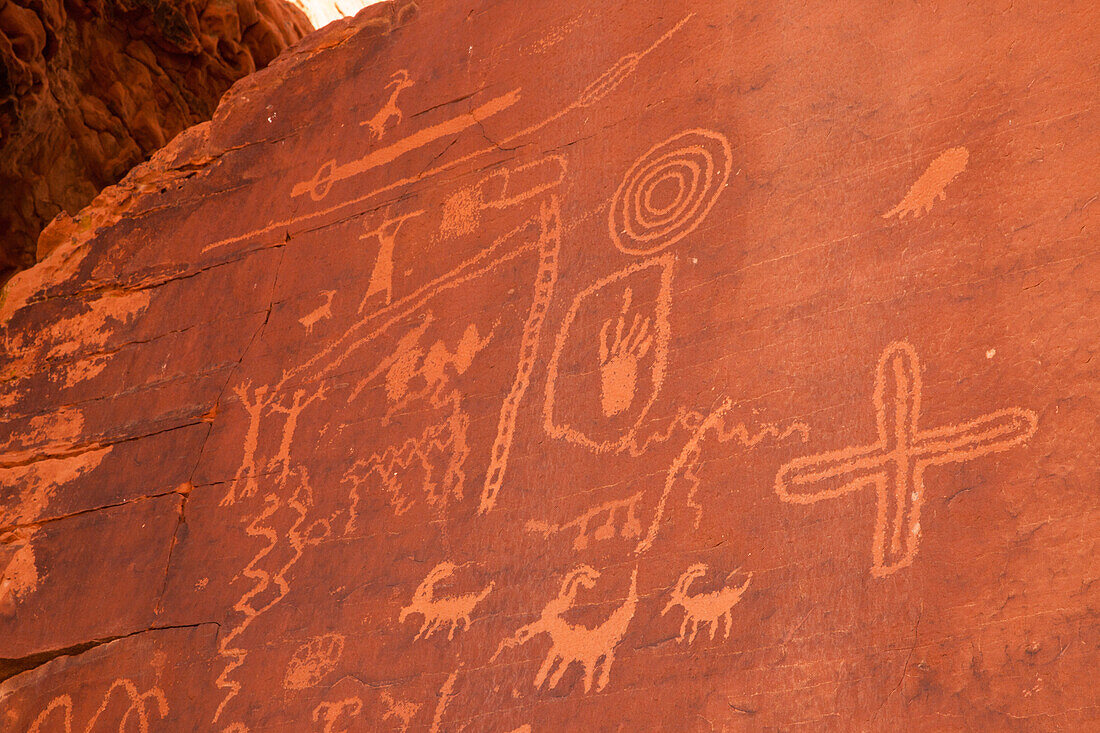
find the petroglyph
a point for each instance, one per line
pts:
(668, 191)
(313, 660)
(403, 711)
(381, 277)
(593, 648)
(625, 358)
(932, 184)
(329, 173)
(139, 711)
(894, 465)
(629, 526)
(505, 187)
(319, 314)
(328, 714)
(701, 609)
(446, 692)
(20, 575)
(687, 461)
(450, 611)
(399, 81)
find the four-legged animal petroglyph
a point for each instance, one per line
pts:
(329, 713)
(593, 648)
(450, 611)
(703, 608)
(403, 711)
(894, 465)
(932, 184)
(399, 82)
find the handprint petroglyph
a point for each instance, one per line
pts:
(621, 348)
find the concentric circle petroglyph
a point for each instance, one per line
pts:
(668, 191)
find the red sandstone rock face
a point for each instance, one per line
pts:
(90, 88)
(545, 366)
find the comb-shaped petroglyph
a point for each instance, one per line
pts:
(704, 609)
(139, 711)
(313, 660)
(668, 191)
(329, 713)
(932, 184)
(617, 362)
(442, 611)
(586, 529)
(895, 463)
(400, 80)
(593, 648)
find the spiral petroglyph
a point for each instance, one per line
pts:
(668, 191)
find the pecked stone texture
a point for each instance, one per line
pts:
(90, 88)
(576, 366)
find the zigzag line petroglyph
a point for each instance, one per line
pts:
(704, 608)
(450, 611)
(138, 704)
(299, 504)
(593, 648)
(895, 463)
(593, 93)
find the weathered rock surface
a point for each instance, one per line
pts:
(555, 366)
(90, 88)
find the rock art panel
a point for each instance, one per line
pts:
(541, 366)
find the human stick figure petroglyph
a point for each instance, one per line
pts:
(894, 465)
(381, 277)
(329, 173)
(593, 648)
(668, 191)
(399, 81)
(594, 92)
(450, 611)
(932, 184)
(704, 608)
(138, 711)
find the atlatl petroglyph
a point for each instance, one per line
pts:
(619, 351)
(321, 183)
(668, 191)
(400, 80)
(313, 660)
(450, 611)
(895, 463)
(704, 608)
(139, 711)
(932, 184)
(593, 648)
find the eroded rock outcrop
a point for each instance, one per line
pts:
(90, 88)
(548, 366)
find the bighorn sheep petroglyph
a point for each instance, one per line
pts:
(450, 610)
(703, 608)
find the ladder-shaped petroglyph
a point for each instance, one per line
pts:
(399, 81)
(704, 609)
(895, 463)
(610, 369)
(141, 711)
(668, 191)
(620, 519)
(593, 648)
(313, 660)
(932, 184)
(442, 611)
